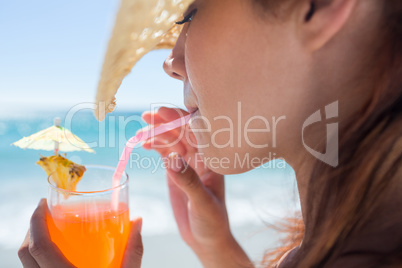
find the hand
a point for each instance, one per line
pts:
(38, 250)
(197, 195)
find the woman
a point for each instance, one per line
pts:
(284, 60)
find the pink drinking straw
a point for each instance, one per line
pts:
(131, 143)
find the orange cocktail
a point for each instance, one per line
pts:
(87, 228)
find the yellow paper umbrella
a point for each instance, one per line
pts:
(55, 138)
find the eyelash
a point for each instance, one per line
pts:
(187, 18)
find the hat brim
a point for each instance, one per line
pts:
(141, 26)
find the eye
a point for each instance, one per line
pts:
(187, 18)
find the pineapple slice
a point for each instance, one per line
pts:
(65, 173)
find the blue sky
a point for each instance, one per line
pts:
(51, 54)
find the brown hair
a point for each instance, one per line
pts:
(341, 201)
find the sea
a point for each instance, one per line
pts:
(263, 195)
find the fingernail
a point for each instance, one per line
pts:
(160, 109)
(175, 162)
(140, 225)
(41, 201)
(146, 113)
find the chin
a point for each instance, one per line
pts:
(228, 171)
(225, 163)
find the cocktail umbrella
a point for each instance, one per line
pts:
(55, 138)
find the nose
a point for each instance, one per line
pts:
(174, 64)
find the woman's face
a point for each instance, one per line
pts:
(247, 80)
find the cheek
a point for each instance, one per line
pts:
(219, 71)
(229, 90)
(225, 67)
(239, 75)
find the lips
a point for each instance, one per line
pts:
(191, 109)
(190, 99)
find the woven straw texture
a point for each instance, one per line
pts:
(141, 26)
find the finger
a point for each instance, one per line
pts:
(215, 183)
(187, 179)
(165, 147)
(165, 115)
(163, 150)
(42, 249)
(179, 203)
(134, 249)
(163, 141)
(202, 182)
(155, 144)
(152, 118)
(170, 114)
(181, 136)
(25, 257)
(171, 138)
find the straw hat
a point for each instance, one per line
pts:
(141, 26)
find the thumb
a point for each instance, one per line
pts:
(186, 179)
(134, 249)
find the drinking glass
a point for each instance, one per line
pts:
(91, 225)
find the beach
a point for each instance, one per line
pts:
(261, 196)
